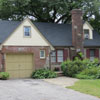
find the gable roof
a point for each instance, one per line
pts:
(6, 28)
(56, 34)
(61, 34)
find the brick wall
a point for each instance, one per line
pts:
(39, 63)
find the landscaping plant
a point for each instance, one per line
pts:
(4, 75)
(43, 73)
(84, 69)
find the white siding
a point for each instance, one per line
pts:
(86, 26)
(17, 37)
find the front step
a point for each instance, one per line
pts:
(59, 73)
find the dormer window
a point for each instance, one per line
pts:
(86, 33)
(27, 31)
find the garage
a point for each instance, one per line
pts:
(19, 65)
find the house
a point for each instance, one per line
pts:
(27, 46)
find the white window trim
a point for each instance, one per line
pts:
(24, 32)
(40, 54)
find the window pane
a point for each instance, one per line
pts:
(53, 56)
(53, 59)
(42, 54)
(27, 31)
(86, 33)
(53, 53)
(60, 53)
(60, 59)
(92, 53)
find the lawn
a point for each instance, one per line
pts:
(91, 87)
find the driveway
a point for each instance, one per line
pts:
(30, 89)
(62, 81)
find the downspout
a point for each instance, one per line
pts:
(50, 60)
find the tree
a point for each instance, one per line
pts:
(55, 11)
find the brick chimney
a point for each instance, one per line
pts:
(77, 30)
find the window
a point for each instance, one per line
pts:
(86, 33)
(92, 54)
(27, 31)
(53, 56)
(42, 54)
(59, 55)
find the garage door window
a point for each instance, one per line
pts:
(42, 54)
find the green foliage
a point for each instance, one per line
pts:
(89, 73)
(47, 10)
(81, 67)
(43, 73)
(70, 68)
(80, 76)
(4, 75)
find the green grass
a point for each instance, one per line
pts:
(91, 87)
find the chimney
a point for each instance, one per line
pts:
(77, 30)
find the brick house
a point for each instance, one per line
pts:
(27, 46)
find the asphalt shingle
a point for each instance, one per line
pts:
(56, 34)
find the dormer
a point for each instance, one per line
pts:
(88, 31)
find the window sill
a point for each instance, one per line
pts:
(42, 58)
(56, 63)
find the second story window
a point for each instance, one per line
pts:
(86, 33)
(27, 31)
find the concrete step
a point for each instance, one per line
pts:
(59, 73)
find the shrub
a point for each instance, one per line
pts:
(80, 76)
(4, 75)
(89, 73)
(70, 68)
(43, 73)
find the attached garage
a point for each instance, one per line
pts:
(19, 65)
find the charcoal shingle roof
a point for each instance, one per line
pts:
(61, 34)
(56, 34)
(6, 28)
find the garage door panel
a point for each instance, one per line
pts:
(19, 65)
(29, 73)
(14, 74)
(27, 66)
(12, 66)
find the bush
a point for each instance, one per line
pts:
(4, 75)
(43, 73)
(70, 68)
(89, 73)
(80, 76)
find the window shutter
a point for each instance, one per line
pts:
(65, 54)
(97, 53)
(87, 53)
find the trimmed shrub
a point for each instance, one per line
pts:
(4, 75)
(43, 73)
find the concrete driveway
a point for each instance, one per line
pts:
(30, 89)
